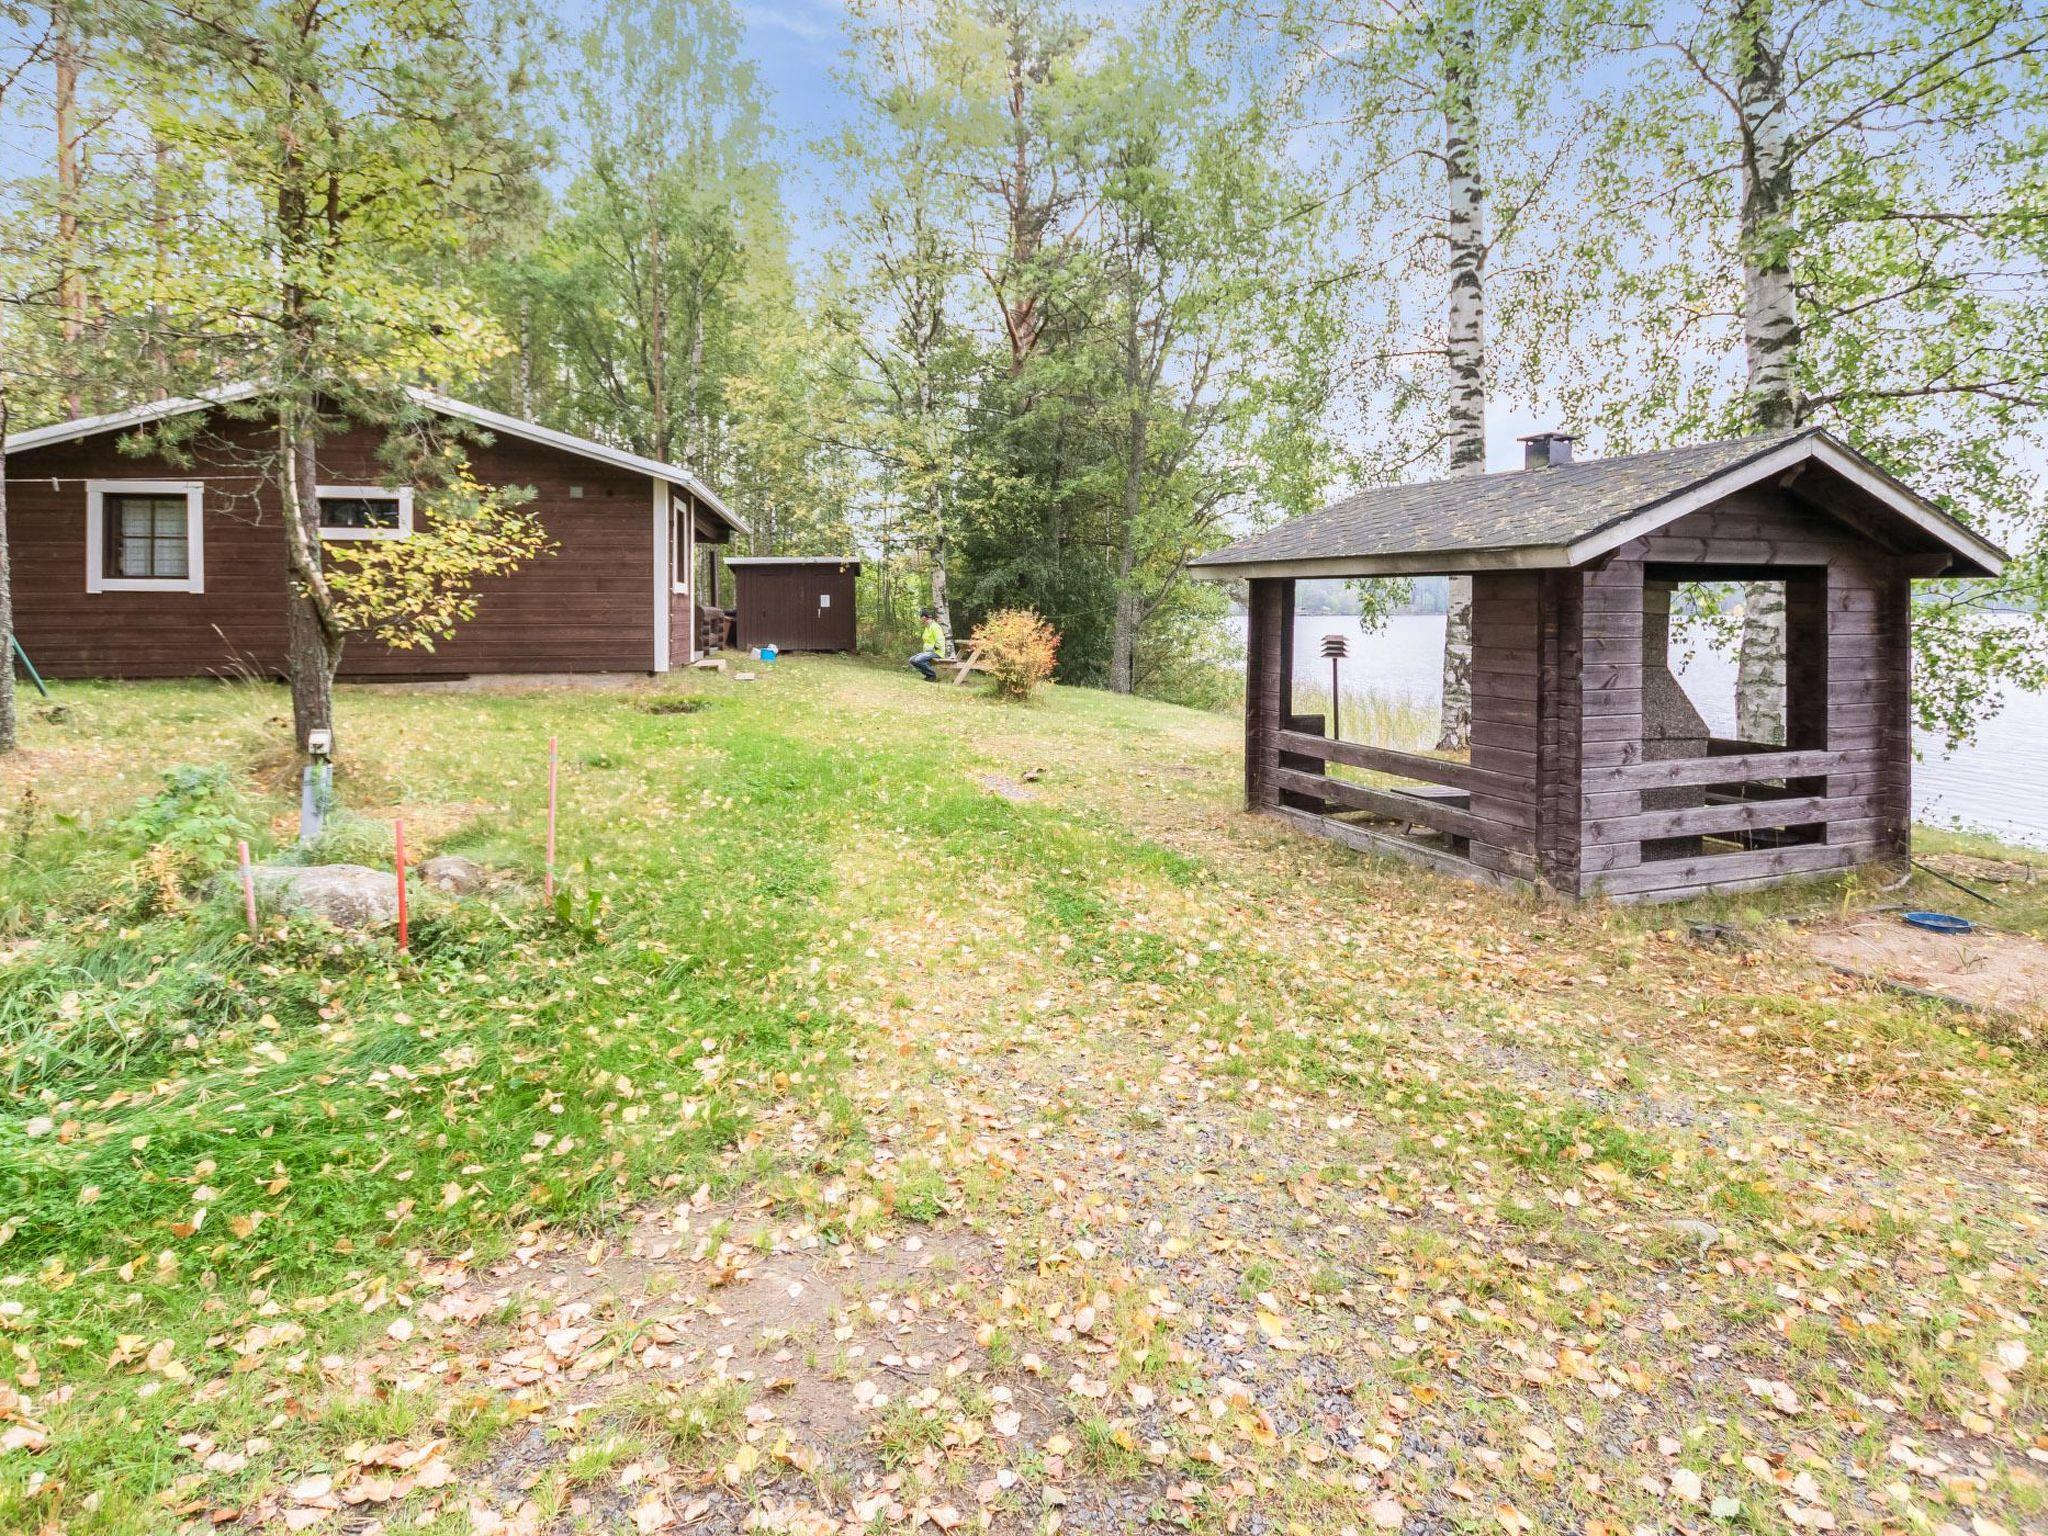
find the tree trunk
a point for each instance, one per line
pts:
(1123, 641)
(6, 599)
(942, 603)
(70, 281)
(1465, 415)
(1028, 216)
(313, 654)
(1760, 669)
(657, 343)
(1771, 335)
(693, 384)
(160, 267)
(1123, 635)
(526, 357)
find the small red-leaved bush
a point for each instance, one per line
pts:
(1018, 648)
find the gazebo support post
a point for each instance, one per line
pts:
(1269, 685)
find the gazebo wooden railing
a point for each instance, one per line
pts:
(1590, 770)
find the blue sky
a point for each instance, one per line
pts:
(797, 43)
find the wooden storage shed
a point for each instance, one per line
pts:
(1590, 771)
(794, 602)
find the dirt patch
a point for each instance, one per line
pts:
(2006, 972)
(739, 1364)
(1971, 867)
(1010, 789)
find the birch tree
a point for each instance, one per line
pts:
(1770, 331)
(1446, 148)
(629, 297)
(1821, 214)
(905, 261)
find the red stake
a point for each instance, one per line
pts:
(398, 827)
(248, 886)
(552, 760)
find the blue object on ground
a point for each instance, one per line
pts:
(1940, 922)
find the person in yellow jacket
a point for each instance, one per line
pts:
(933, 640)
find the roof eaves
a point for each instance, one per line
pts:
(1775, 458)
(604, 453)
(1428, 562)
(793, 560)
(127, 420)
(496, 421)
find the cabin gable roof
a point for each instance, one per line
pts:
(1570, 514)
(496, 422)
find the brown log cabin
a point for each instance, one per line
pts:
(1590, 772)
(134, 566)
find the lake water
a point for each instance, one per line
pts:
(1997, 784)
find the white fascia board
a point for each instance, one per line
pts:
(583, 447)
(663, 559)
(128, 420)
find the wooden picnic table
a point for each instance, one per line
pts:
(963, 664)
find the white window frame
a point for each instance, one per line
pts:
(96, 493)
(682, 545)
(401, 493)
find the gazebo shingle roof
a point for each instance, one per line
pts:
(1513, 509)
(1549, 516)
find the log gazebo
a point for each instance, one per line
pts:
(1590, 771)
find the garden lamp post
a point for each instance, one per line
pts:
(1336, 647)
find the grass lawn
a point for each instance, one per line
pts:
(931, 1113)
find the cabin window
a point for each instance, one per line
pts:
(143, 536)
(365, 512)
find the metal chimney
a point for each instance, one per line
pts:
(1541, 450)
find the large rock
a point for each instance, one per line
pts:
(452, 873)
(347, 895)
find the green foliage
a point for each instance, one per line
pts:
(183, 833)
(653, 301)
(346, 838)
(1912, 226)
(1087, 297)
(580, 911)
(198, 815)
(1190, 658)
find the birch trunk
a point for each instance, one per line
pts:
(160, 267)
(694, 384)
(1465, 341)
(313, 633)
(1771, 335)
(939, 549)
(657, 344)
(526, 358)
